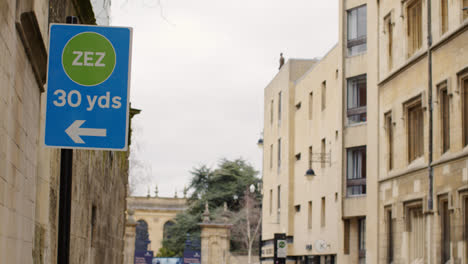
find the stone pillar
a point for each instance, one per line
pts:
(215, 237)
(130, 233)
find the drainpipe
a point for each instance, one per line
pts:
(430, 202)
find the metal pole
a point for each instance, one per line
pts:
(66, 170)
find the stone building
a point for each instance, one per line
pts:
(351, 171)
(423, 219)
(29, 173)
(155, 215)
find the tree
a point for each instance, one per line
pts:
(227, 183)
(247, 222)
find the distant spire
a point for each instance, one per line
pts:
(148, 195)
(206, 214)
(185, 191)
(156, 191)
(175, 194)
(225, 214)
(281, 61)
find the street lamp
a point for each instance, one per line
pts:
(310, 172)
(260, 141)
(252, 188)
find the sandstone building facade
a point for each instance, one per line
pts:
(351, 173)
(29, 173)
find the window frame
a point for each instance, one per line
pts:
(388, 25)
(280, 101)
(409, 106)
(351, 84)
(464, 4)
(444, 121)
(272, 104)
(279, 155)
(271, 201)
(324, 95)
(444, 211)
(309, 214)
(409, 207)
(462, 78)
(311, 105)
(323, 212)
(362, 240)
(412, 48)
(354, 181)
(358, 40)
(444, 16)
(323, 152)
(390, 137)
(278, 216)
(390, 231)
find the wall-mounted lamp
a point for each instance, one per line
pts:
(310, 172)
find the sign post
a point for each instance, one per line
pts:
(280, 248)
(87, 82)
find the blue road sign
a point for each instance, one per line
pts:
(88, 83)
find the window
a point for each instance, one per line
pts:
(465, 11)
(444, 117)
(279, 154)
(357, 30)
(388, 23)
(278, 214)
(310, 157)
(271, 112)
(464, 83)
(271, 201)
(414, 12)
(415, 131)
(271, 156)
(323, 153)
(167, 229)
(347, 230)
(322, 215)
(415, 228)
(324, 95)
(362, 240)
(356, 171)
(445, 231)
(309, 215)
(443, 16)
(142, 236)
(311, 101)
(390, 236)
(279, 108)
(389, 127)
(357, 99)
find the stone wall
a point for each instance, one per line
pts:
(20, 93)
(98, 206)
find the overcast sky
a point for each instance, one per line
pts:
(199, 68)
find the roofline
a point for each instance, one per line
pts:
(287, 63)
(316, 64)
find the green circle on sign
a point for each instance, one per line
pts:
(88, 58)
(282, 244)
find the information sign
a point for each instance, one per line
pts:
(88, 87)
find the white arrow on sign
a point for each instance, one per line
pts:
(74, 131)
